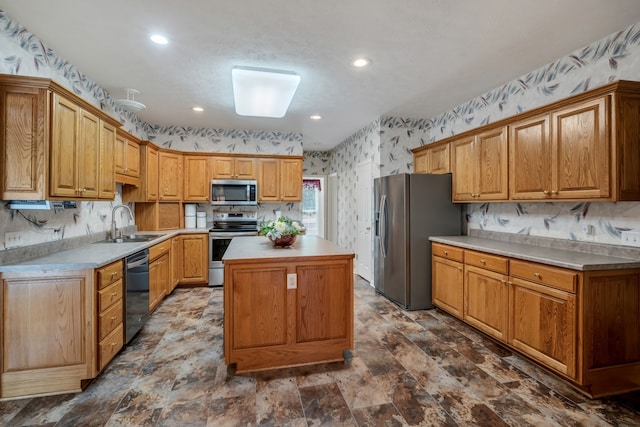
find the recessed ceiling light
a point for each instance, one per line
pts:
(361, 62)
(263, 92)
(315, 117)
(198, 109)
(157, 38)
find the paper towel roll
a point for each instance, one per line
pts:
(201, 214)
(189, 210)
(189, 222)
(201, 222)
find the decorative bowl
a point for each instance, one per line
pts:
(284, 241)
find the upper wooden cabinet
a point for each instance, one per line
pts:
(232, 168)
(432, 158)
(169, 176)
(479, 166)
(291, 180)
(147, 191)
(127, 158)
(106, 177)
(280, 180)
(581, 148)
(564, 154)
(196, 178)
(52, 143)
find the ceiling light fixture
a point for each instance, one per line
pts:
(316, 117)
(263, 92)
(361, 62)
(198, 109)
(157, 38)
(130, 103)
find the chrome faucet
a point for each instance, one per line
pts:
(113, 218)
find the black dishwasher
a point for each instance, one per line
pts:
(137, 295)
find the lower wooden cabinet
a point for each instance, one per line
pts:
(543, 324)
(176, 262)
(193, 258)
(159, 273)
(581, 325)
(269, 323)
(484, 290)
(48, 332)
(448, 289)
(110, 309)
(448, 279)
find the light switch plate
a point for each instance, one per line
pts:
(292, 281)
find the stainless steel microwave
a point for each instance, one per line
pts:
(234, 192)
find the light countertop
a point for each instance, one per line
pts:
(93, 255)
(574, 260)
(259, 247)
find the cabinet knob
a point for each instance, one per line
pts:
(554, 191)
(545, 192)
(114, 294)
(537, 275)
(113, 273)
(483, 261)
(460, 268)
(446, 252)
(504, 281)
(114, 317)
(113, 344)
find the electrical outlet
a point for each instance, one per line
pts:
(588, 232)
(631, 238)
(13, 239)
(292, 281)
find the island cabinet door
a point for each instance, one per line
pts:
(324, 305)
(259, 310)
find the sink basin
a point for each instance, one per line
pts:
(133, 238)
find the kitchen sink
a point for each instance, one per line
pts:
(133, 238)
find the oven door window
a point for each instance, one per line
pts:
(218, 248)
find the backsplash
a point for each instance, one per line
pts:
(388, 140)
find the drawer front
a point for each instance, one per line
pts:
(109, 274)
(109, 295)
(110, 346)
(490, 262)
(109, 320)
(159, 249)
(559, 278)
(449, 252)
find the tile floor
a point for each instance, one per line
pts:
(408, 368)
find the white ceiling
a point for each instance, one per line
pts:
(428, 55)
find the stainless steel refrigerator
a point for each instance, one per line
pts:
(408, 209)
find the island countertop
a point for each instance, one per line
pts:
(245, 248)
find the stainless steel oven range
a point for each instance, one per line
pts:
(227, 225)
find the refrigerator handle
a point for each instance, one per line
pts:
(382, 226)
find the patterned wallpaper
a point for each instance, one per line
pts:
(227, 141)
(615, 57)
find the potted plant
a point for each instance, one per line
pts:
(282, 232)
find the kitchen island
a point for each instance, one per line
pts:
(286, 306)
